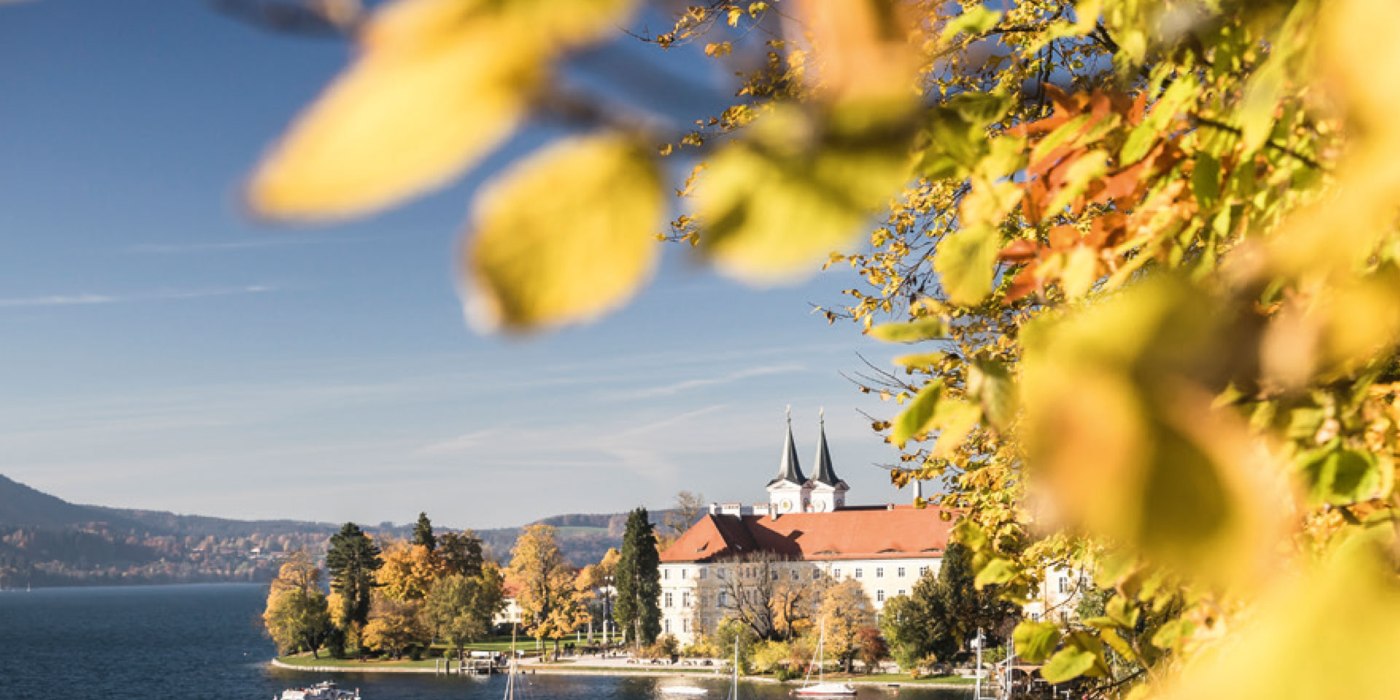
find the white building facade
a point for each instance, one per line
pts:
(804, 537)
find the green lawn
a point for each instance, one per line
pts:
(368, 664)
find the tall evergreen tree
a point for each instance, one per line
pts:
(351, 561)
(423, 532)
(638, 581)
(461, 552)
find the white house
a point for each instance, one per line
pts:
(805, 533)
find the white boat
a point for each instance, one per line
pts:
(821, 688)
(683, 690)
(325, 690)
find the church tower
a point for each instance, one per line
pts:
(828, 491)
(789, 491)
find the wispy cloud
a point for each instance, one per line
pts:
(673, 388)
(89, 299)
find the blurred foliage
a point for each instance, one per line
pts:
(1147, 250)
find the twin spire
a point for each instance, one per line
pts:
(790, 470)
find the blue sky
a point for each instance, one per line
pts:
(162, 351)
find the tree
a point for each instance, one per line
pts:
(394, 626)
(966, 608)
(550, 605)
(408, 571)
(638, 581)
(687, 510)
(774, 597)
(352, 559)
(296, 616)
(460, 552)
(1149, 248)
(845, 610)
(459, 608)
(423, 533)
(871, 648)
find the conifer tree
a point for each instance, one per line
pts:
(638, 581)
(423, 532)
(351, 562)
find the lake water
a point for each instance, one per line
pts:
(205, 642)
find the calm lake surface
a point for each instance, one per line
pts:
(204, 642)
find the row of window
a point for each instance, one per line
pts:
(722, 600)
(752, 571)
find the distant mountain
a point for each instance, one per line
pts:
(47, 541)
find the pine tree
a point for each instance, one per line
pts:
(351, 561)
(638, 581)
(423, 532)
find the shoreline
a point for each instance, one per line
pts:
(563, 670)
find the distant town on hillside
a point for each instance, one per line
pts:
(47, 541)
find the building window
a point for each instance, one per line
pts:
(685, 625)
(668, 625)
(836, 573)
(858, 573)
(685, 599)
(1064, 584)
(668, 600)
(879, 572)
(775, 574)
(816, 574)
(794, 574)
(666, 573)
(879, 596)
(719, 573)
(923, 571)
(723, 599)
(900, 572)
(702, 574)
(685, 573)
(901, 592)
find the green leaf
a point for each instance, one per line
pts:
(565, 235)
(965, 262)
(921, 329)
(1035, 641)
(1205, 180)
(1261, 98)
(994, 573)
(1067, 664)
(916, 417)
(974, 20)
(1339, 476)
(991, 383)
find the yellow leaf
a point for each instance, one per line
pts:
(965, 263)
(955, 419)
(1329, 633)
(776, 204)
(565, 235)
(438, 85)
(917, 417)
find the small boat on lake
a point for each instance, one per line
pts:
(682, 690)
(325, 690)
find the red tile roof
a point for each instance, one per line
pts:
(868, 532)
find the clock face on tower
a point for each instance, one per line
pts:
(786, 505)
(819, 506)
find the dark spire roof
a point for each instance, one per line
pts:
(789, 470)
(825, 474)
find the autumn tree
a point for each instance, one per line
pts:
(551, 606)
(844, 611)
(638, 581)
(460, 552)
(775, 597)
(423, 533)
(296, 615)
(394, 626)
(408, 571)
(1146, 252)
(871, 648)
(459, 608)
(352, 560)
